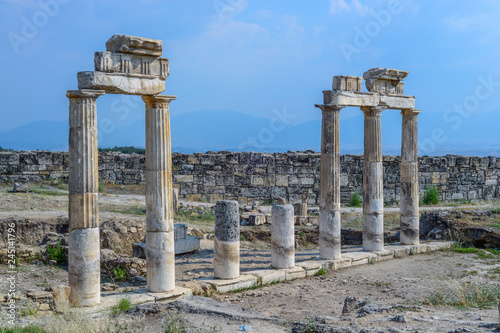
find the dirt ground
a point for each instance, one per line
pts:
(440, 292)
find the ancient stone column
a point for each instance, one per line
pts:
(373, 185)
(227, 240)
(160, 252)
(329, 204)
(282, 237)
(84, 265)
(409, 200)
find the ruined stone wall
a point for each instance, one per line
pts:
(258, 176)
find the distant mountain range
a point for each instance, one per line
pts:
(202, 131)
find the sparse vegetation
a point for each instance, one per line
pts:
(57, 253)
(123, 304)
(120, 274)
(355, 200)
(269, 202)
(431, 196)
(190, 214)
(124, 150)
(465, 294)
(175, 323)
(26, 329)
(6, 149)
(44, 190)
(321, 272)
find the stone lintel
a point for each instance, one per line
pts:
(390, 74)
(134, 45)
(350, 98)
(120, 83)
(398, 102)
(117, 62)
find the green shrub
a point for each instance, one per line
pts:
(431, 196)
(355, 200)
(123, 304)
(321, 271)
(120, 274)
(57, 253)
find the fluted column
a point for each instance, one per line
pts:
(83, 239)
(160, 252)
(409, 200)
(373, 177)
(329, 206)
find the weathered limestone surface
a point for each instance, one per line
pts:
(227, 240)
(131, 65)
(282, 237)
(120, 83)
(232, 176)
(346, 82)
(84, 267)
(83, 240)
(329, 208)
(160, 248)
(373, 186)
(385, 80)
(409, 207)
(134, 45)
(116, 62)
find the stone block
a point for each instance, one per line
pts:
(256, 219)
(293, 273)
(267, 276)
(348, 83)
(350, 98)
(244, 281)
(61, 298)
(134, 45)
(311, 266)
(167, 297)
(384, 255)
(120, 83)
(113, 62)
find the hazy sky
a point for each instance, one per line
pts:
(255, 56)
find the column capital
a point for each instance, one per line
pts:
(329, 108)
(410, 112)
(373, 111)
(157, 101)
(85, 93)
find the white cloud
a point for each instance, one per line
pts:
(338, 6)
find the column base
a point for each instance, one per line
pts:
(409, 230)
(373, 232)
(84, 267)
(329, 235)
(226, 259)
(160, 261)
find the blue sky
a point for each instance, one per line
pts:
(256, 56)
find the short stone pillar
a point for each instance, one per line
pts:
(373, 177)
(409, 197)
(227, 240)
(282, 237)
(329, 204)
(84, 266)
(160, 250)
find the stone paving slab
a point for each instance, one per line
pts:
(311, 266)
(267, 276)
(244, 281)
(296, 272)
